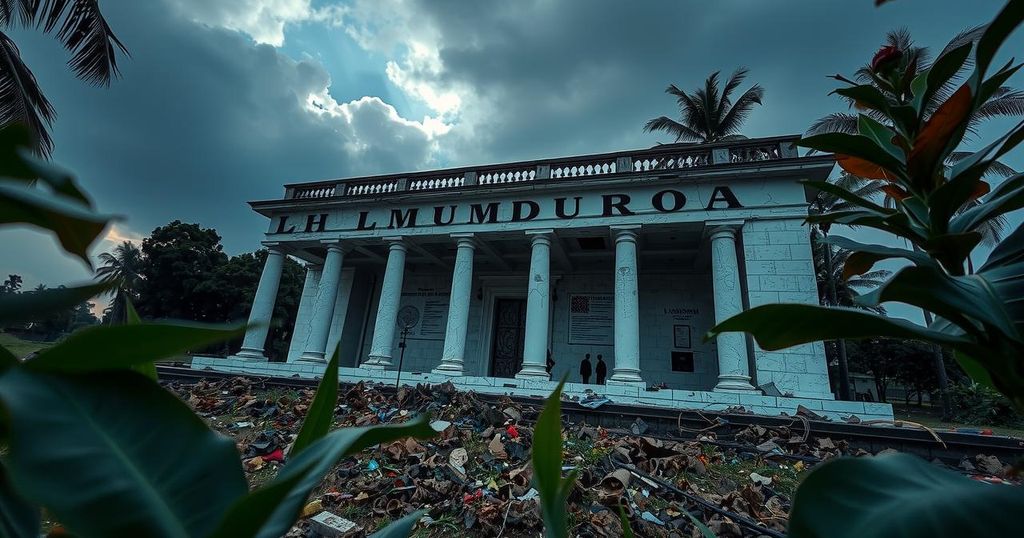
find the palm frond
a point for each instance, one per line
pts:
(674, 128)
(997, 169)
(22, 100)
(836, 122)
(12, 11)
(739, 111)
(730, 86)
(86, 34)
(1005, 102)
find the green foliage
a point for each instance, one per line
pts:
(320, 415)
(943, 212)
(89, 435)
(863, 498)
(547, 467)
(114, 454)
(978, 404)
(709, 114)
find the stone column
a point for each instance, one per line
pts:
(387, 308)
(323, 306)
(538, 313)
(733, 366)
(262, 307)
(627, 308)
(458, 308)
(300, 332)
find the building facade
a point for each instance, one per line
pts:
(510, 276)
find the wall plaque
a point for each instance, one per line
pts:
(591, 319)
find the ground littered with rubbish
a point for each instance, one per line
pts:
(475, 479)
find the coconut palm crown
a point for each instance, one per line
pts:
(709, 114)
(83, 31)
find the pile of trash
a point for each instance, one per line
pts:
(475, 477)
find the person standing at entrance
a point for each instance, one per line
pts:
(585, 369)
(602, 370)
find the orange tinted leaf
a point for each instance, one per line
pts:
(981, 189)
(935, 135)
(895, 192)
(855, 265)
(863, 168)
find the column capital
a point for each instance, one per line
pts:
(395, 243)
(625, 233)
(713, 228)
(274, 247)
(466, 240)
(540, 236)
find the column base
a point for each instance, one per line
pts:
(449, 369)
(534, 371)
(250, 354)
(734, 383)
(626, 376)
(378, 362)
(312, 356)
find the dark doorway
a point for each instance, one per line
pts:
(509, 334)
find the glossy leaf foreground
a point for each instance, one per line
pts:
(546, 456)
(320, 415)
(114, 454)
(862, 498)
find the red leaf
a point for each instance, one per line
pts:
(935, 135)
(895, 192)
(863, 168)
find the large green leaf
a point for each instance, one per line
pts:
(881, 135)
(966, 300)
(18, 517)
(858, 146)
(1007, 196)
(1009, 250)
(848, 196)
(31, 306)
(147, 369)
(114, 454)
(76, 226)
(865, 95)
(121, 346)
(400, 528)
(546, 456)
(944, 68)
(864, 256)
(18, 162)
(995, 34)
(900, 495)
(271, 510)
(320, 416)
(778, 326)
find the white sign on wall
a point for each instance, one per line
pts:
(591, 319)
(432, 307)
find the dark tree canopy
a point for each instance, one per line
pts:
(187, 275)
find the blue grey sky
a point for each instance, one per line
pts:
(223, 102)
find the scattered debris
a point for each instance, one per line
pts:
(475, 476)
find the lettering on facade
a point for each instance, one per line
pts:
(612, 205)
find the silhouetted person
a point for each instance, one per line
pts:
(585, 369)
(550, 363)
(602, 370)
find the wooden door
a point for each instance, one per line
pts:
(509, 334)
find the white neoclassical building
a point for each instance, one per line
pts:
(507, 277)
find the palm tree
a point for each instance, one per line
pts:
(709, 113)
(1005, 101)
(80, 26)
(830, 272)
(123, 267)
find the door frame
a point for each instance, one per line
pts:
(494, 314)
(495, 288)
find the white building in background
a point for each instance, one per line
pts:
(486, 272)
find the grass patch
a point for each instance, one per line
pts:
(932, 417)
(18, 347)
(724, 477)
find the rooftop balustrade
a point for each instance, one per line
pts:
(669, 157)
